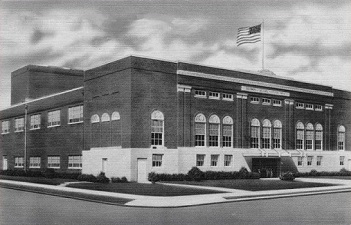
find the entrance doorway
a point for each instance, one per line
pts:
(142, 172)
(266, 167)
(4, 162)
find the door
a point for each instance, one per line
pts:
(4, 162)
(142, 174)
(104, 165)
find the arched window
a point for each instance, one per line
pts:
(95, 118)
(341, 137)
(105, 117)
(300, 134)
(255, 133)
(200, 130)
(277, 134)
(309, 136)
(266, 134)
(213, 139)
(116, 129)
(227, 136)
(318, 143)
(157, 129)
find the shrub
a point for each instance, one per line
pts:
(101, 178)
(243, 173)
(289, 176)
(196, 174)
(115, 180)
(87, 177)
(345, 172)
(153, 177)
(124, 180)
(314, 173)
(49, 173)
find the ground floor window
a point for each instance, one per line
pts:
(53, 161)
(300, 161)
(214, 160)
(74, 162)
(342, 158)
(228, 160)
(309, 160)
(34, 162)
(200, 159)
(19, 162)
(157, 160)
(319, 160)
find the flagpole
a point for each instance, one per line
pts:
(262, 44)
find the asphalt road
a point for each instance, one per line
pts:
(19, 207)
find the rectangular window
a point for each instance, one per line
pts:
(19, 163)
(309, 139)
(342, 158)
(228, 160)
(227, 135)
(266, 101)
(299, 139)
(227, 97)
(309, 160)
(213, 95)
(157, 132)
(300, 105)
(254, 136)
(35, 122)
(54, 162)
(34, 162)
(200, 134)
(200, 94)
(200, 160)
(266, 137)
(318, 141)
(75, 114)
(277, 102)
(214, 160)
(319, 160)
(5, 127)
(54, 118)
(214, 135)
(277, 138)
(300, 161)
(157, 160)
(254, 100)
(318, 108)
(74, 162)
(341, 140)
(309, 106)
(19, 124)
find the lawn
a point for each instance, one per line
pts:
(38, 180)
(253, 184)
(143, 189)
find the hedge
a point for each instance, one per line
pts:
(48, 173)
(314, 173)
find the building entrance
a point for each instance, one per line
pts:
(266, 167)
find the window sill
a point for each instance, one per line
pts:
(76, 122)
(199, 96)
(215, 98)
(74, 168)
(228, 100)
(20, 131)
(5, 133)
(54, 167)
(54, 126)
(35, 128)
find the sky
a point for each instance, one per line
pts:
(305, 40)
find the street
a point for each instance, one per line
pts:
(19, 207)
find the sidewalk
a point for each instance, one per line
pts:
(232, 195)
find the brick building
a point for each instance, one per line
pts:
(137, 115)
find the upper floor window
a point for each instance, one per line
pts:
(95, 118)
(200, 130)
(309, 106)
(254, 100)
(341, 138)
(318, 108)
(227, 97)
(157, 129)
(255, 133)
(300, 105)
(309, 136)
(54, 118)
(35, 122)
(19, 124)
(277, 102)
(277, 134)
(266, 101)
(300, 135)
(75, 114)
(213, 140)
(318, 143)
(213, 95)
(5, 127)
(266, 134)
(200, 93)
(105, 117)
(227, 136)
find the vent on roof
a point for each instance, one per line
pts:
(267, 73)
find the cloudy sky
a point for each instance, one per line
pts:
(305, 40)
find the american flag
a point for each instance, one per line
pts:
(249, 35)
